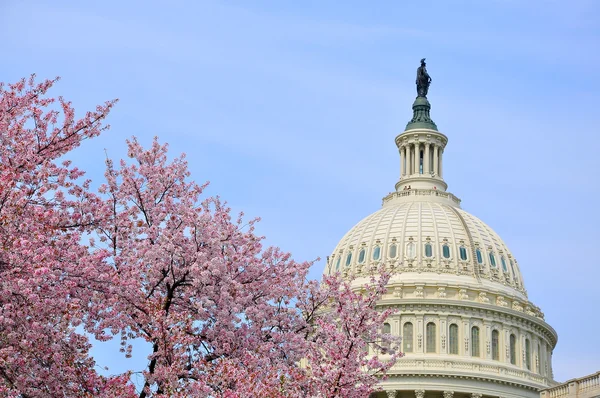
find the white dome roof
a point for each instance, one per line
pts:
(415, 235)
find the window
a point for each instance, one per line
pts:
(492, 259)
(528, 354)
(428, 250)
(393, 250)
(512, 268)
(503, 261)
(376, 253)
(420, 162)
(479, 256)
(430, 331)
(495, 348)
(446, 251)
(463, 253)
(407, 337)
(387, 329)
(337, 263)
(410, 250)
(361, 256)
(348, 259)
(513, 349)
(474, 341)
(453, 339)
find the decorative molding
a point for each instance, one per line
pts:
(442, 292)
(398, 292)
(419, 293)
(419, 393)
(448, 394)
(391, 393)
(483, 298)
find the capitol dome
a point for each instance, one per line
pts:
(415, 234)
(468, 328)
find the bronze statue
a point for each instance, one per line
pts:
(423, 80)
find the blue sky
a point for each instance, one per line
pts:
(290, 110)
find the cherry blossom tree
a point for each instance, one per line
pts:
(43, 266)
(149, 257)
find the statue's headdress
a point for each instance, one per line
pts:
(422, 61)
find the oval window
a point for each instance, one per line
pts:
(463, 253)
(479, 256)
(393, 250)
(376, 253)
(361, 256)
(428, 250)
(348, 259)
(446, 251)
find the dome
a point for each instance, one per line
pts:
(423, 240)
(467, 326)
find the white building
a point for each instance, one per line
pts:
(467, 326)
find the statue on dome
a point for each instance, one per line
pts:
(423, 80)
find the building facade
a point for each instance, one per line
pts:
(467, 326)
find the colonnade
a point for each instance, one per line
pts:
(420, 158)
(446, 394)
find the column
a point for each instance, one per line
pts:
(426, 165)
(400, 152)
(391, 393)
(416, 158)
(419, 393)
(476, 395)
(441, 152)
(435, 160)
(448, 394)
(405, 163)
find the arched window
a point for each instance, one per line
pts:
(528, 354)
(428, 250)
(446, 251)
(407, 337)
(393, 250)
(492, 260)
(348, 259)
(495, 345)
(503, 261)
(410, 250)
(337, 263)
(513, 349)
(474, 341)
(453, 339)
(479, 256)
(463, 253)
(430, 337)
(376, 253)
(361, 256)
(387, 329)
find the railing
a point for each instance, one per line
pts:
(584, 387)
(588, 383)
(454, 365)
(421, 192)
